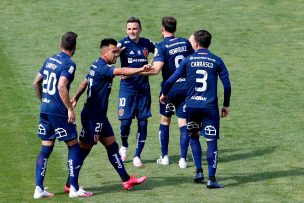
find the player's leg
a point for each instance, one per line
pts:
(164, 139)
(211, 133)
(47, 134)
(125, 125)
(143, 113)
(184, 142)
(126, 112)
(193, 125)
(108, 140)
(141, 139)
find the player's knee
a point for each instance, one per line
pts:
(165, 120)
(194, 129)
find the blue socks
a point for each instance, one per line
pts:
(164, 138)
(74, 165)
(83, 153)
(125, 131)
(212, 158)
(184, 141)
(115, 160)
(41, 164)
(196, 152)
(141, 136)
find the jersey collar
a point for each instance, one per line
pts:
(202, 50)
(64, 55)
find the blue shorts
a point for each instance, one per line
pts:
(175, 104)
(94, 128)
(52, 127)
(133, 104)
(205, 120)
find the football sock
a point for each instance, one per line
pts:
(115, 160)
(125, 131)
(164, 138)
(196, 152)
(74, 165)
(141, 136)
(184, 141)
(41, 164)
(82, 155)
(212, 157)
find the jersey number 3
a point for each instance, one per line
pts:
(201, 80)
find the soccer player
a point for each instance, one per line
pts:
(203, 69)
(134, 93)
(57, 118)
(167, 57)
(96, 126)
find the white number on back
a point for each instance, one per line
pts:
(178, 59)
(201, 80)
(48, 85)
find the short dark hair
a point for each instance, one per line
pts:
(203, 38)
(68, 41)
(107, 41)
(134, 20)
(169, 23)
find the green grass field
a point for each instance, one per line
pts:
(260, 150)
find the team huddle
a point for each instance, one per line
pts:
(189, 90)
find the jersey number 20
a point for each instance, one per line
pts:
(48, 84)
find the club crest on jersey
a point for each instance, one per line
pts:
(146, 53)
(121, 112)
(96, 138)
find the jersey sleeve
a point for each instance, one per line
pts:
(159, 54)
(108, 71)
(222, 71)
(42, 68)
(176, 75)
(151, 47)
(69, 71)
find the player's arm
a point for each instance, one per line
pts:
(168, 85)
(156, 67)
(82, 87)
(64, 95)
(227, 94)
(37, 84)
(130, 71)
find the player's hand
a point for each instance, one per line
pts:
(224, 112)
(123, 77)
(121, 49)
(147, 68)
(71, 115)
(163, 99)
(74, 102)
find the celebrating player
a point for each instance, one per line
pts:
(134, 93)
(96, 126)
(167, 57)
(57, 118)
(202, 69)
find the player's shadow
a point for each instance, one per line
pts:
(239, 179)
(255, 152)
(150, 184)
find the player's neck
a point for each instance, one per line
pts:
(68, 52)
(168, 34)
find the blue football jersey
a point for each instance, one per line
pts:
(135, 55)
(54, 67)
(99, 84)
(202, 69)
(172, 51)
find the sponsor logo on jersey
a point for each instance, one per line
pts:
(131, 60)
(171, 45)
(199, 98)
(56, 60)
